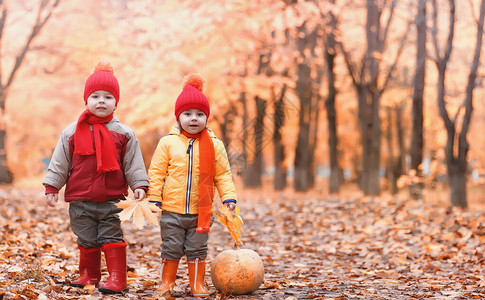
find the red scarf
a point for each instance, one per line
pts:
(206, 178)
(103, 141)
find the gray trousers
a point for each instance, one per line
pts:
(95, 223)
(179, 237)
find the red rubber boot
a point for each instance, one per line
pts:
(115, 255)
(89, 267)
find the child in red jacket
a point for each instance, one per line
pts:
(97, 158)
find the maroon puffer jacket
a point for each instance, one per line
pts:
(78, 172)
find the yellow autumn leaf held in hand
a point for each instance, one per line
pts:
(138, 211)
(233, 222)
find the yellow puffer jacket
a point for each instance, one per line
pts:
(174, 173)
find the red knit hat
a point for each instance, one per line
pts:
(102, 79)
(192, 96)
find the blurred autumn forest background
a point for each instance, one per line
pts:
(379, 95)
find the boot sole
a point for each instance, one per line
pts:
(109, 292)
(82, 285)
(201, 295)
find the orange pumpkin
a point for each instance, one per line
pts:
(237, 272)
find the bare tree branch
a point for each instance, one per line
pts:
(449, 43)
(471, 83)
(434, 32)
(3, 17)
(383, 39)
(39, 24)
(441, 62)
(472, 11)
(402, 43)
(350, 66)
(457, 115)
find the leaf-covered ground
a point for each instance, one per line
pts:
(313, 247)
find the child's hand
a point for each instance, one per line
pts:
(230, 205)
(51, 199)
(139, 194)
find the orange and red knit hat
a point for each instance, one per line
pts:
(192, 96)
(102, 79)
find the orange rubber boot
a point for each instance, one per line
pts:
(169, 273)
(196, 277)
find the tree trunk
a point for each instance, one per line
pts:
(253, 173)
(457, 182)
(334, 180)
(390, 159)
(457, 164)
(369, 106)
(244, 138)
(226, 126)
(6, 175)
(417, 139)
(369, 91)
(304, 153)
(371, 135)
(400, 166)
(252, 176)
(304, 92)
(395, 165)
(279, 181)
(316, 99)
(456, 155)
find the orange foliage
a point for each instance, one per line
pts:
(153, 45)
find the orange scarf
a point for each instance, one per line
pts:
(103, 141)
(206, 178)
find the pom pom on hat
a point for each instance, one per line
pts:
(102, 79)
(192, 95)
(104, 65)
(196, 80)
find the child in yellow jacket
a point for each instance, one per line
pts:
(186, 166)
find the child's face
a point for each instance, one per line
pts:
(193, 120)
(101, 103)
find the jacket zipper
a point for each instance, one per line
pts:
(190, 152)
(163, 187)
